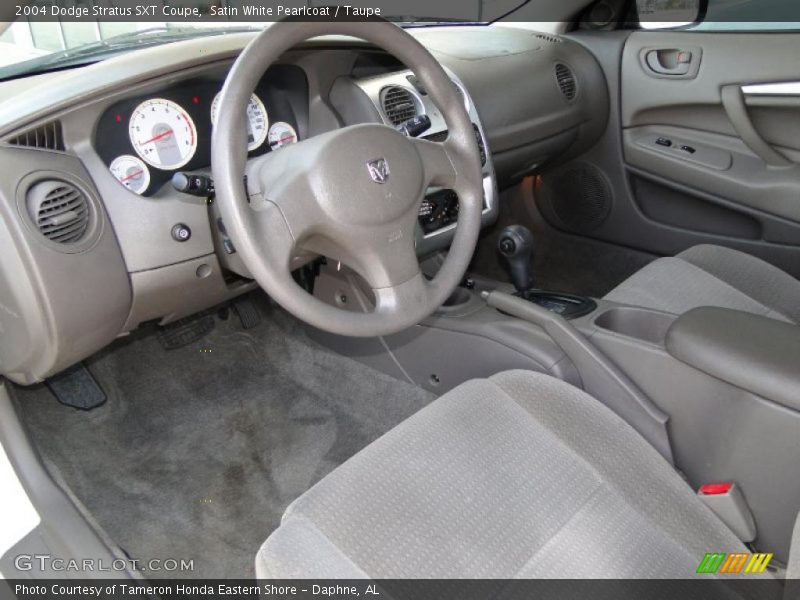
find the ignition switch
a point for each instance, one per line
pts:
(181, 232)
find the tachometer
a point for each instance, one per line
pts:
(131, 172)
(162, 133)
(281, 134)
(257, 120)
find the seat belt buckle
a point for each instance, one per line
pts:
(726, 500)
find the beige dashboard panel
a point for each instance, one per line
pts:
(59, 302)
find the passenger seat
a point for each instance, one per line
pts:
(709, 275)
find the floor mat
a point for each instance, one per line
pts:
(561, 262)
(199, 450)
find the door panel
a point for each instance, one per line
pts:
(697, 150)
(716, 145)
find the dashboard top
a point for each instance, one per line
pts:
(23, 101)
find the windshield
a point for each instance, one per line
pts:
(51, 35)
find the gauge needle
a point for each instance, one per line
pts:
(283, 139)
(155, 138)
(131, 176)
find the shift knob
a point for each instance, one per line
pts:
(516, 246)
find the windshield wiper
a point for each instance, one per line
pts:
(96, 51)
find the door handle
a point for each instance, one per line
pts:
(736, 109)
(669, 62)
(678, 63)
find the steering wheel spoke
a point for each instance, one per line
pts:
(391, 301)
(390, 257)
(274, 180)
(436, 162)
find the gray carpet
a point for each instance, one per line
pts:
(561, 262)
(199, 450)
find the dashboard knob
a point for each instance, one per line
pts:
(181, 232)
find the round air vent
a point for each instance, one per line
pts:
(576, 198)
(398, 104)
(566, 81)
(59, 210)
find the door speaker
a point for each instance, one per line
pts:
(576, 197)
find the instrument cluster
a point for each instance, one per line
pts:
(144, 140)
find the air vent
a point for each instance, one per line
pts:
(59, 210)
(44, 137)
(398, 104)
(548, 38)
(566, 81)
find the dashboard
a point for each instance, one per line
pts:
(96, 238)
(144, 140)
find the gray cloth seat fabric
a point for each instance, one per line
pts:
(516, 476)
(709, 275)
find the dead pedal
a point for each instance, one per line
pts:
(248, 312)
(77, 387)
(185, 331)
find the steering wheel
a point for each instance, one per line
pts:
(352, 194)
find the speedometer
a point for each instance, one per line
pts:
(162, 133)
(257, 121)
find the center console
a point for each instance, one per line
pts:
(714, 390)
(755, 353)
(730, 382)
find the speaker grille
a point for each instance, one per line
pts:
(577, 197)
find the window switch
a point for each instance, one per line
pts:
(688, 149)
(664, 142)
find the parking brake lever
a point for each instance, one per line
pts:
(601, 377)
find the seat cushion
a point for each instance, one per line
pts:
(520, 475)
(712, 276)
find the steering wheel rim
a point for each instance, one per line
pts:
(320, 194)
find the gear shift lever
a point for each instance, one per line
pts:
(516, 246)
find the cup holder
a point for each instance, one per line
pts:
(639, 323)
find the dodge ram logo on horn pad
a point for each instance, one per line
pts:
(378, 169)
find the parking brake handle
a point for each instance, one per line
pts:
(601, 377)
